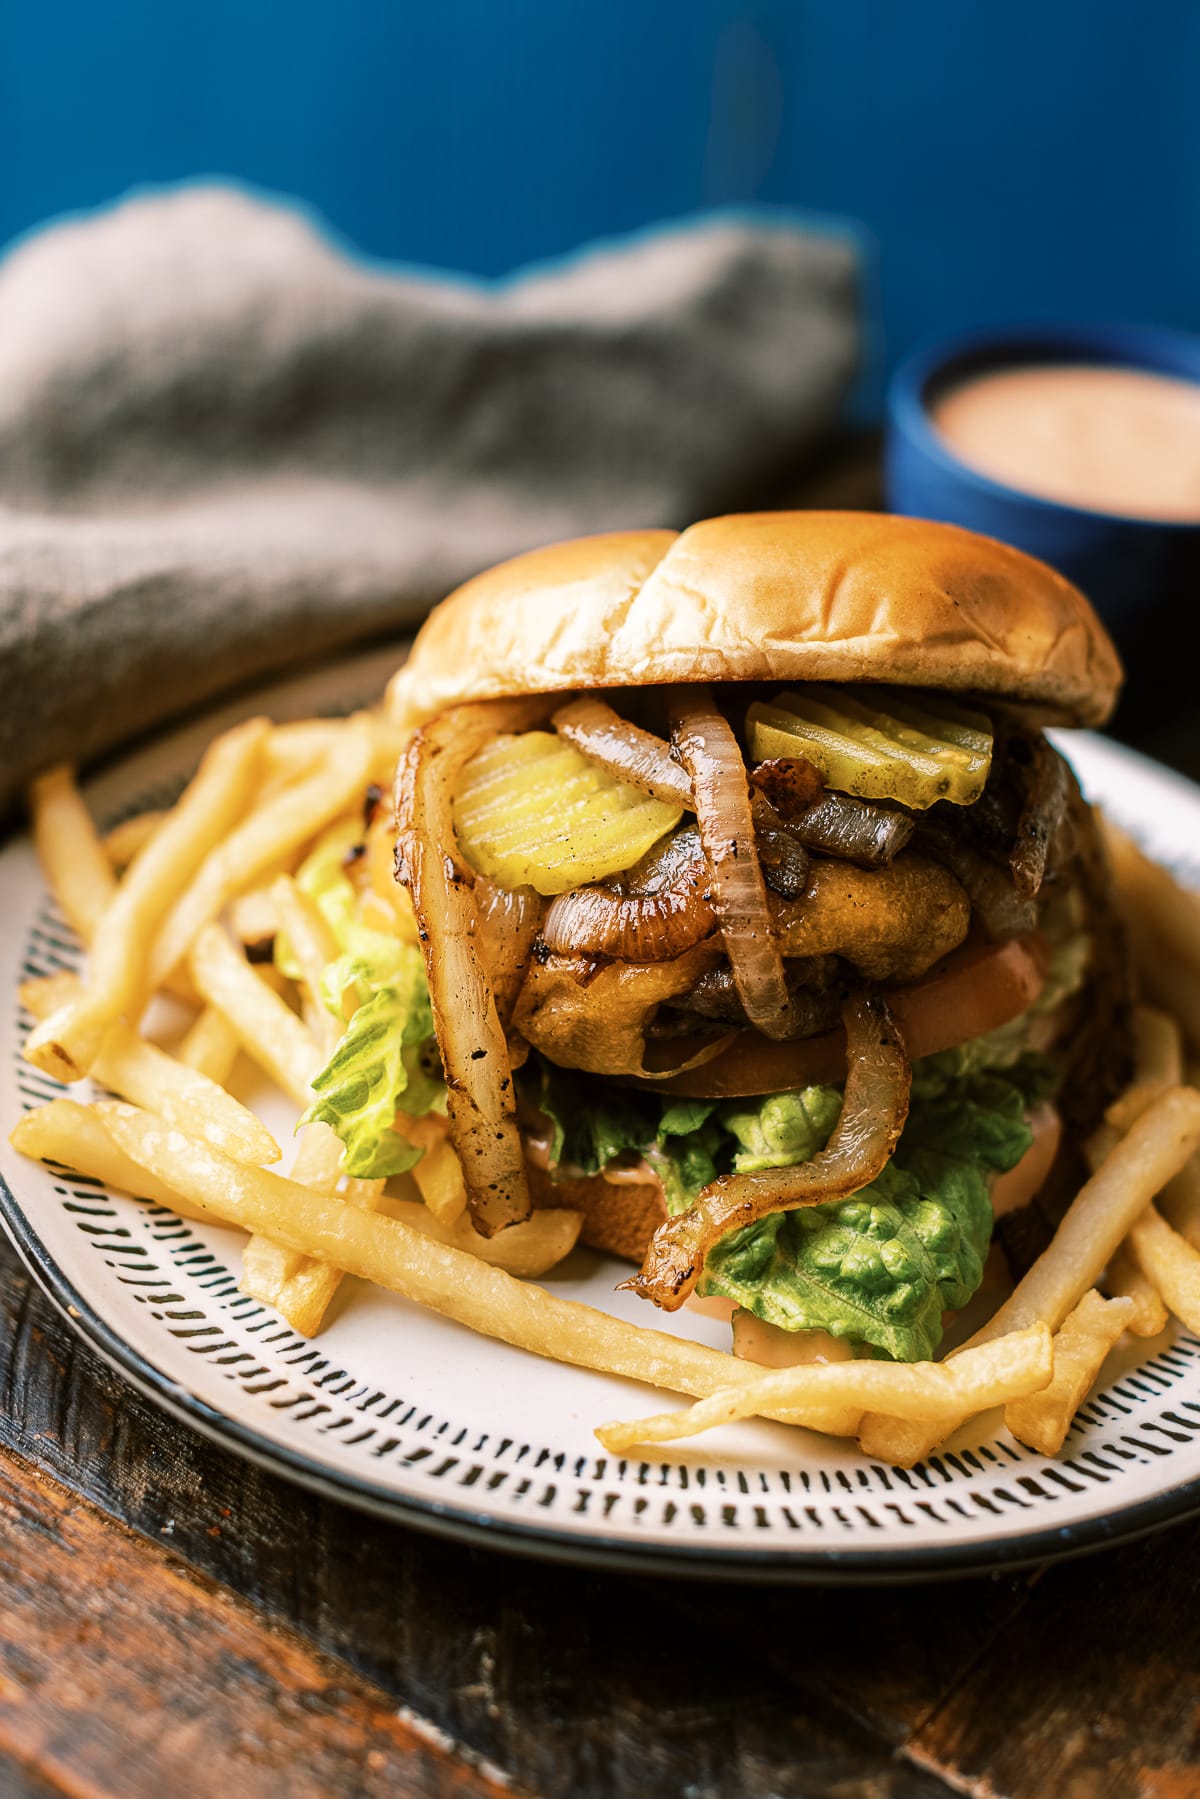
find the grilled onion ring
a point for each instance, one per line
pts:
(474, 1054)
(658, 910)
(874, 1108)
(709, 752)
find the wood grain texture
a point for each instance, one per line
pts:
(1083, 1680)
(120, 1672)
(889, 1656)
(571, 1683)
(1099, 1681)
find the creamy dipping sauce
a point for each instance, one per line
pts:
(1108, 439)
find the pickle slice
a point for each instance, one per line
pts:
(879, 743)
(531, 811)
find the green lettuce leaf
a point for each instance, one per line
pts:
(880, 1268)
(381, 1066)
(386, 1060)
(866, 1268)
(591, 1123)
(322, 876)
(371, 961)
(688, 1151)
(783, 1129)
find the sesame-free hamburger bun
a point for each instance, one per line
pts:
(769, 596)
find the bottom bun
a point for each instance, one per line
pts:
(618, 1216)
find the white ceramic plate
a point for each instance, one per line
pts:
(405, 1414)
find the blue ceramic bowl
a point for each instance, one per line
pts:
(1135, 571)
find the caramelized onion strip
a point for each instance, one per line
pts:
(837, 824)
(509, 921)
(632, 754)
(659, 909)
(855, 830)
(474, 1053)
(874, 1108)
(1043, 809)
(710, 754)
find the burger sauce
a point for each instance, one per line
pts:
(1118, 440)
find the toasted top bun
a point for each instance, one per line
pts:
(769, 596)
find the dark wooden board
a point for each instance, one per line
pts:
(122, 1671)
(569, 1682)
(1085, 1679)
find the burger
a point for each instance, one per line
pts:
(750, 913)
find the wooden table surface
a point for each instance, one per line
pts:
(173, 1620)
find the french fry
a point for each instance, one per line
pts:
(303, 1289)
(1164, 928)
(210, 1044)
(1158, 1062)
(388, 745)
(1179, 1203)
(1009, 1368)
(443, 1279)
(310, 940)
(1170, 984)
(318, 1159)
(141, 1072)
(300, 1289)
(297, 746)
(1157, 1146)
(267, 1266)
(252, 917)
(48, 992)
(1041, 1420)
(1154, 895)
(183, 1096)
(123, 842)
(77, 870)
(1170, 1263)
(528, 1249)
(264, 840)
(439, 1180)
(294, 749)
(69, 1041)
(75, 1136)
(386, 895)
(308, 1287)
(1125, 1280)
(1158, 1065)
(266, 1027)
(307, 1294)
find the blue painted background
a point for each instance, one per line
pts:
(1007, 157)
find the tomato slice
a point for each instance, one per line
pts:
(975, 989)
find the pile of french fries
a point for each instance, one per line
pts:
(168, 903)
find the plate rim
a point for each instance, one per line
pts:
(895, 1566)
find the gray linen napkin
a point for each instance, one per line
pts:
(226, 446)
